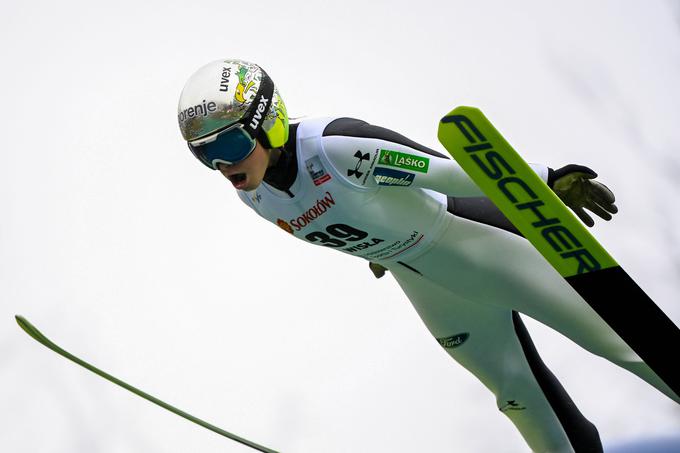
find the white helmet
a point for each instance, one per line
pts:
(226, 93)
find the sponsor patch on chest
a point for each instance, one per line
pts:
(391, 177)
(317, 171)
(405, 161)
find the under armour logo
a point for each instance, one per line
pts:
(511, 405)
(361, 158)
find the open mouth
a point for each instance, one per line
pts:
(238, 179)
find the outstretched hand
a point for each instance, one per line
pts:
(576, 187)
(377, 269)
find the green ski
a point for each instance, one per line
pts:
(561, 238)
(42, 339)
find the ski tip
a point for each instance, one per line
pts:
(29, 328)
(21, 321)
(24, 324)
(461, 110)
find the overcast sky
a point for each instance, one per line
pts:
(124, 250)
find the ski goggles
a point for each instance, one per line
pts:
(229, 146)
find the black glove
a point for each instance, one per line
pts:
(377, 269)
(575, 186)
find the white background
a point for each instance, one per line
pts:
(126, 251)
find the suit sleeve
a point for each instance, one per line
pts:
(372, 156)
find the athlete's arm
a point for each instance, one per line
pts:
(372, 156)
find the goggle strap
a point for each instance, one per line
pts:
(254, 117)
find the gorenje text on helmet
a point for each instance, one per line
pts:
(197, 110)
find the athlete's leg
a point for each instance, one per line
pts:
(493, 344)
(492, 266)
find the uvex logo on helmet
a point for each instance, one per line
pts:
(224, 83)
(262, 105)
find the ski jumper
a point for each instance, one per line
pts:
(374, 194)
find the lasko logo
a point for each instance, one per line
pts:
(389, 177)
(258, 113)
(224, 83)
(454, 341)
(494, 165)
(197, 110)
(404, 160)
(314, 212)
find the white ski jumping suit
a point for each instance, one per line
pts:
(372, 193)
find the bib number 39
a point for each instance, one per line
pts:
(336, 231)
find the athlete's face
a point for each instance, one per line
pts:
(247, 174)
